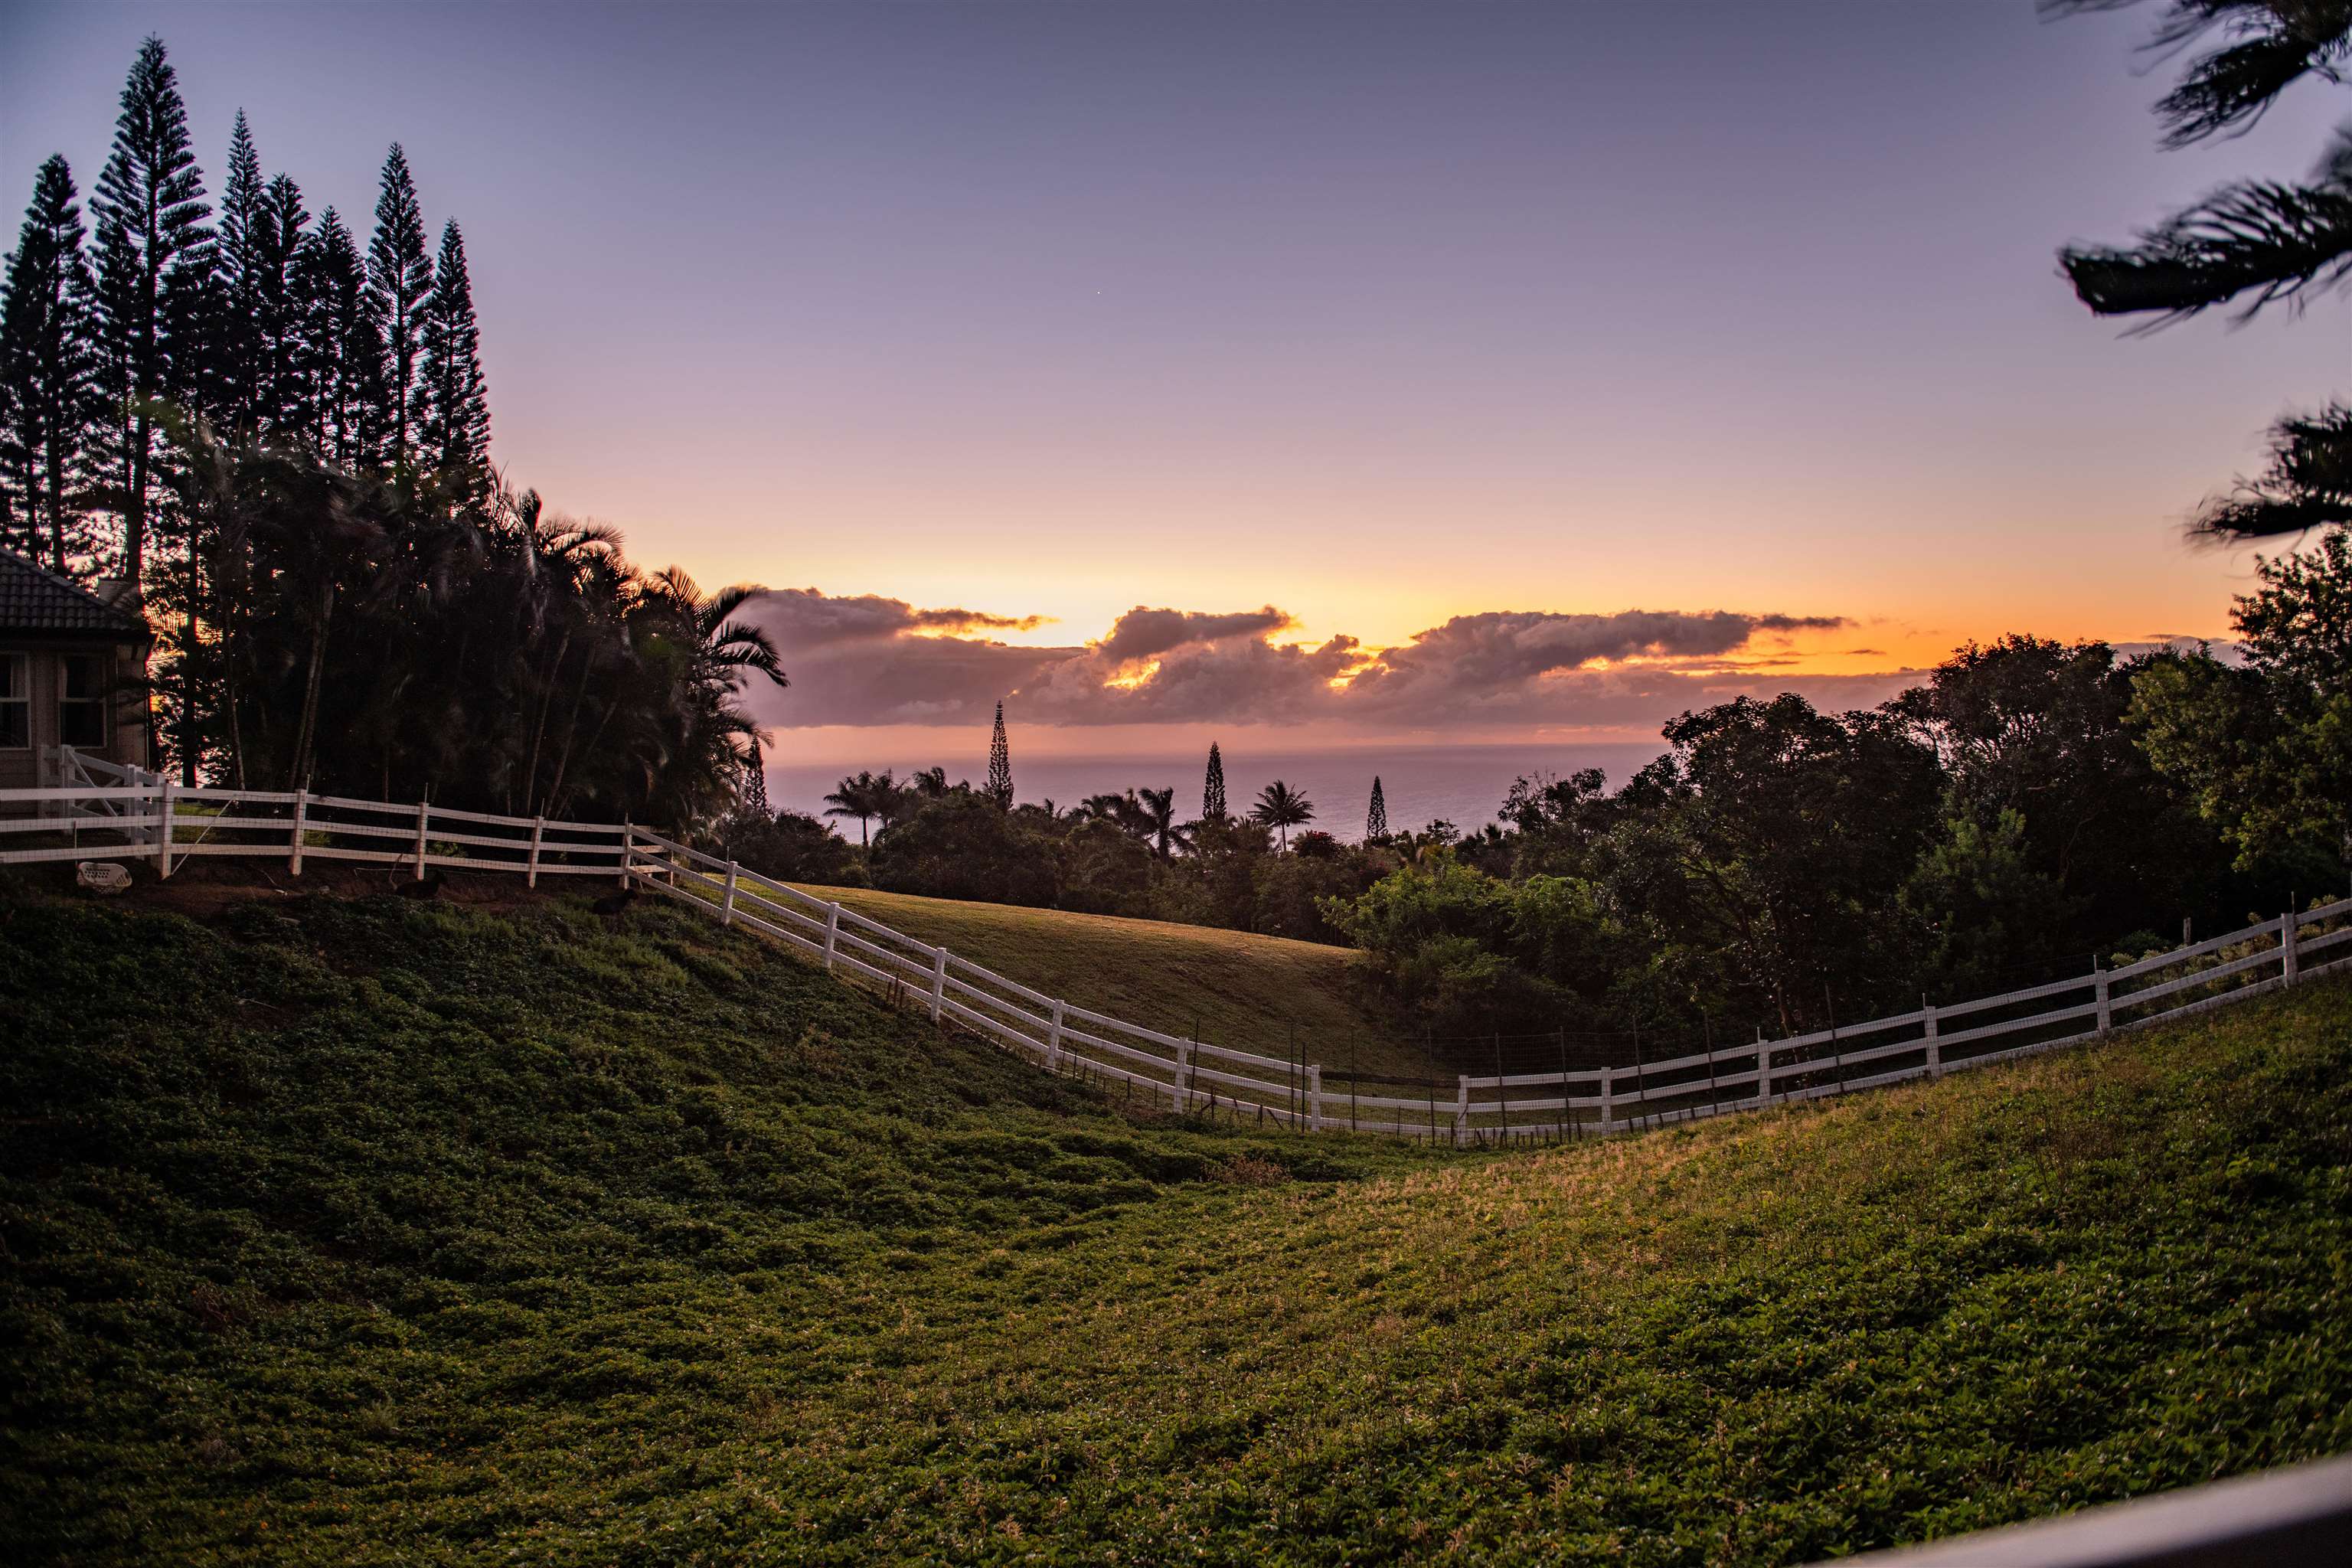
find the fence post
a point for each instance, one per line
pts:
(423, 816)
(1314, 1097)
(163, 809)
(2106, 1012)
(2290, 943)
(1182, 1092)
(832, 931)
(727, 916)
(1763, 1072)
(538, 826)
(301, 816)
(1607, 1097)
(1935, 1046)
(1054, 1038)
(628, 849)
(939, 981)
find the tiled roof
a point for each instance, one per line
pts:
(32, 600)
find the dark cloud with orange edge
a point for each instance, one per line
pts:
(870, 660)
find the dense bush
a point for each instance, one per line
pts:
(2030, 804)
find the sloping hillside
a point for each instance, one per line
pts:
(1235, 989)
(361, 1232)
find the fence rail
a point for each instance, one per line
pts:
(144, 816)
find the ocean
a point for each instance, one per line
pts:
(1461, 784)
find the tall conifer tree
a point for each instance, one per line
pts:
(151, 210)
(247, 236)
(1000, 765)
(1212, 792)
(339, 350)
(400, 278)
(1376, 820)
(457, 438)
(49, 371)
(283, 401)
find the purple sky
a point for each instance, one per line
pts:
(1492, 323)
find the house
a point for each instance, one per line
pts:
(73, 672)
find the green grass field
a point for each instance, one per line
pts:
(1235, 989)
(378, 1231)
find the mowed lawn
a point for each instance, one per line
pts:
(1227, 987)
(392, 1232)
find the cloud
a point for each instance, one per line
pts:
(1141, 634)
(870, 660)
(1503, 656)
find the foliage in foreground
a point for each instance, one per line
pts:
(388, 1232)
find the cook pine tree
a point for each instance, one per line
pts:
(456, 403)
(1000, 765)
(154, 254)
(399, 283)
(49, 407)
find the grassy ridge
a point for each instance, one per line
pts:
(378, 1231)
(1237, 989)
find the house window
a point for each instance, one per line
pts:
(15, 701)
(82, 703)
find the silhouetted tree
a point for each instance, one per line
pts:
(338, 349)
(456, 435)
(48, 387)
(1213, 792)
(400, 279)
(1166, 834)
(1376, 819)
(1281, 809)
(249, 241)
(1000, 765)
(2263, 241)
(864, 796)
(151, 212)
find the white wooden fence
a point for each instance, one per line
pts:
(128, 820)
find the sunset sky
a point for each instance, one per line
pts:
(1391, 357)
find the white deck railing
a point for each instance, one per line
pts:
(127, 820)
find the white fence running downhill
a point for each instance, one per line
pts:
(127, 819)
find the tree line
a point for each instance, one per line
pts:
(1134, 852)
(278, 439)
(2035, 807)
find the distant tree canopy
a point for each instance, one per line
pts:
(2264, 750)
(282, 440)
(2256, 243)
(249, 319)
(472, 651)
(2030, 804)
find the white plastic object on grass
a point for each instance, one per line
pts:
(101, 876)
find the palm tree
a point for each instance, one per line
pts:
(2251, 244)
(862, 796)
(1281, 809)
(932, 783)
(1166, 834)
(1124, 812)
(693, 741)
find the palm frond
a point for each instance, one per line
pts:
(2262, 238)
(2307, 484)
(2275, 43)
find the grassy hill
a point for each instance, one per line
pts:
(1239, 990)
(371, 1231)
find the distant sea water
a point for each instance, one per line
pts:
(1461, 784)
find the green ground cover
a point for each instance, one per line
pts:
(1252, 993)
(387, 1231)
